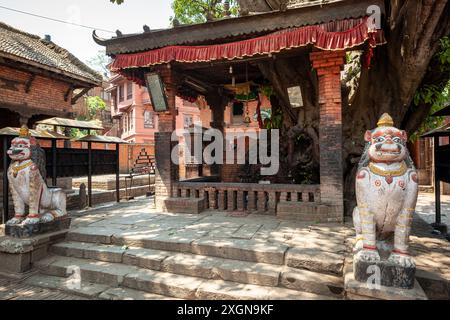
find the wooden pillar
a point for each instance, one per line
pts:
(54, 161)
(118, 173)
(90, 174)
(328, 66)
(218, 102)
(5, 216)
(165, 169)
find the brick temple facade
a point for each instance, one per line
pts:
(203, 59)
(38, 78)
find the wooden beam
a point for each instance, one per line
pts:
(68, 92)
(79, 95)
(29, 83)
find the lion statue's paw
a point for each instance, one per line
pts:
(368, 255)
(14, 221)
(31, 221)
(402, 260)
(358, 246)
(48, 217)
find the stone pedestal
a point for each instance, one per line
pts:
(356, 290)
(28, 231)
(391, 275)
(365, 288)
(18, 255)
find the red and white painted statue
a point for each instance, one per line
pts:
(26, 176)
(386, 193)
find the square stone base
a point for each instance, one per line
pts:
(18, 255)
(185, 205)
(391, 275)
(356, 290)
(28, 231)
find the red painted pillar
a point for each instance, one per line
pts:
(328, 66)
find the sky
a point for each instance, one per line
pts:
(128, 17)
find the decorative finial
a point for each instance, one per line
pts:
(175, 22)
(386, 121)
(119, 33)
(24, 132)
(146, 28)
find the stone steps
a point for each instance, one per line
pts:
(234, 249)
(90, 290)
(121, 276)
(206, 267)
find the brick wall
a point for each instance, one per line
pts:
(328, 66)
(46, 95)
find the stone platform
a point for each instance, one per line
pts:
(28, 231)
(131, 251)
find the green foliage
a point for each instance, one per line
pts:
(198, 11)
(444, 54)
(433, 94)
(94, 105)
(267, 91)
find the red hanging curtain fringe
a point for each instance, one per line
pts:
(336, 35)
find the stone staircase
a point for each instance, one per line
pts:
(123, 267)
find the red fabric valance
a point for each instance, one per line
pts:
(336, 35)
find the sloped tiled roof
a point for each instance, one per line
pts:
(27, 47)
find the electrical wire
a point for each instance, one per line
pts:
(55, 20)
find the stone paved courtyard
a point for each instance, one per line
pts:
(130, 251)
(426, 208)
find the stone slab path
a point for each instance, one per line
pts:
(130, 251)
(20, 290)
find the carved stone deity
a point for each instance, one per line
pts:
(26, 176)
(386, 192)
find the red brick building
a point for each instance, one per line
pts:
(38, 78)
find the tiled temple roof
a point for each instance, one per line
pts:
(28, 48)
(239, 28)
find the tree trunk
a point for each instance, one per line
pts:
(413, 30)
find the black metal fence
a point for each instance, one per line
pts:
(75, 162)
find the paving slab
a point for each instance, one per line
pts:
(308, 281)
(245, 250)
(248, 272)
(315, 260)
(130, 294)
(167, 284)
(93, 234)
(247, 231)
(84, 289)
(145, 258)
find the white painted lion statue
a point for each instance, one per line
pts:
(386, 192)
(26, 176)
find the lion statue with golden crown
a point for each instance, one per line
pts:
(26, 176)
(386, 192)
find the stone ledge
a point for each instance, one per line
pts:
(185, 205)
(18, 255)
(306, 212)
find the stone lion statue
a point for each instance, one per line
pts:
(26, 176)
(386, 192)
